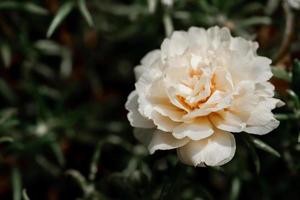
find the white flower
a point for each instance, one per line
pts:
(197, 89)
(294, 3)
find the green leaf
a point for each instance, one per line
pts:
(281, 73)
(94, 163)
(235, 189)
(296, 77)
(5, 54)
(58, 153)
(61, 14)
(85, 12)
(253, 153)
(78, 178)
(25, 195)
(6, 139)
(168, 24)
(7, 92)
(24, 6)
(257, 20)
(16, 184)
(295, 98)
(263, 146)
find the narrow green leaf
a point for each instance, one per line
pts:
(25, 195)
(263, 146)
(281, 73)
(48, 47)
(32, 8)
(24, 6)
(6, 55)
(253, 153)
(296, 77)
(78, 177)
(56, 149)
(295, 98)
(85, 12)
(168, 24)
(94, 163)
(16, 184)
(289, 116)
(6, 139)
(61, 14)
(235, 189)
(7, 92)
(258, 20)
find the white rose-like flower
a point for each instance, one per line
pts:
(198, 89)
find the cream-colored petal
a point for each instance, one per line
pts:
(216, 102)
(175, 46)
(165, 141)
(227, 121)
(151, 57)
(163, 123)
(261, 120)
(134, 116)
(170, 111)
(197, 130)
(215, 150)
(263, 129)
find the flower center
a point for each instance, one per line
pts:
(201, 85)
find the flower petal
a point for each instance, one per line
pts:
(227, 121)
(134, 116)
(215, 150)
(261, 120)
(197, 130)
(165, 141)
(163, 123)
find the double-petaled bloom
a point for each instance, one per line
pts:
(196, 90)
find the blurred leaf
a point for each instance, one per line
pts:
(207, 7)
(263, 146)
(289, 116)
(78, 177)
(271, 7)
(6, 54)
(6, 91)
(6, 139)
(253, 153)
(48, 47)
(295, 98)
(58, 153)
(47, 165)
(66, 63)
(61, 14)
(25, 195)
(94, 163)
(25, 6)
(257, 20)
(168, 23)
(281, 74)
(16, 184)
(296, 77)
(85, 13)
(235, 189)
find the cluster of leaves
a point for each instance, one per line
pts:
(65, 73)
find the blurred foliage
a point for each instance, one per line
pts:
(66, 71)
